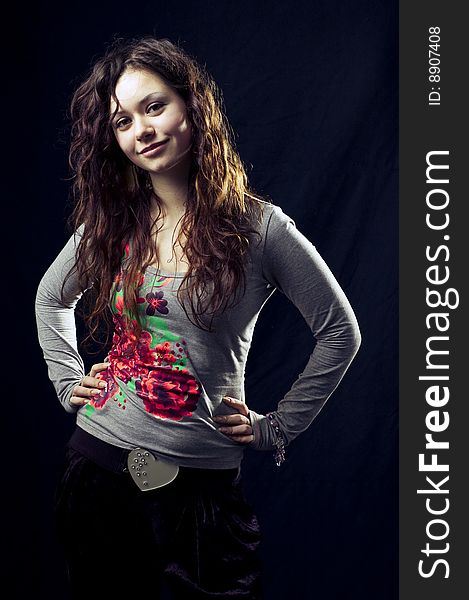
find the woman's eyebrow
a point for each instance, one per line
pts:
(142, 101)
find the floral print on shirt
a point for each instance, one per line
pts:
(153, 366)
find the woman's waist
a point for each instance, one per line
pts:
(191, 443)
(119, 460)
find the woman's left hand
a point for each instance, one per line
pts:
(236, 426)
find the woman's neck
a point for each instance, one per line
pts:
(171, 188)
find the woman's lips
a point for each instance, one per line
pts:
(153, 149)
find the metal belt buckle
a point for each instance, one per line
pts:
(150, 472)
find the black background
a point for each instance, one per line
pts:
(311, 90)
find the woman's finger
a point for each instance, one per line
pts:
(80, 400)
(234, 419)
(89, 385)
(91, 380)
(238, 405)
(96, 368)
(75, 401)
(236, 426)
(87, 392)
(244, 429)
(245, 439)
(82, 394)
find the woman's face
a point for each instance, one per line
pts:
(151, 113)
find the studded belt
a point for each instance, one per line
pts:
(147, 471)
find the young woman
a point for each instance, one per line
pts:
(170, 242)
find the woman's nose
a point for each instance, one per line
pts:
(144, 129)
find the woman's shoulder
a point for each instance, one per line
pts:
(271, 212)
(274, 218)
(274, 228)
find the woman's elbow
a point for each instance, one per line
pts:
(355, 336)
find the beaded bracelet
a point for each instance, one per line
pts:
(279, 453)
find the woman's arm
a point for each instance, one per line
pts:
(56, 323)
(293, 265)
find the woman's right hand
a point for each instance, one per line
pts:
(89, 386)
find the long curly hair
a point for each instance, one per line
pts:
(112, 197)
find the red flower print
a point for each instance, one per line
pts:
(163, 347)
(168, 393)
(165, 354)
(156, 303)
(146, 354)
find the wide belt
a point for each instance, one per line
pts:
(147, 470)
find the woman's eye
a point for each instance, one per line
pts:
(121, 123)
(154, 106)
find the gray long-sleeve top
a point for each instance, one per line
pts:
(163, 391)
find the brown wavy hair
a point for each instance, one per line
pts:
(112, 197)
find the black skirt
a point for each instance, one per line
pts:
(195, 538)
